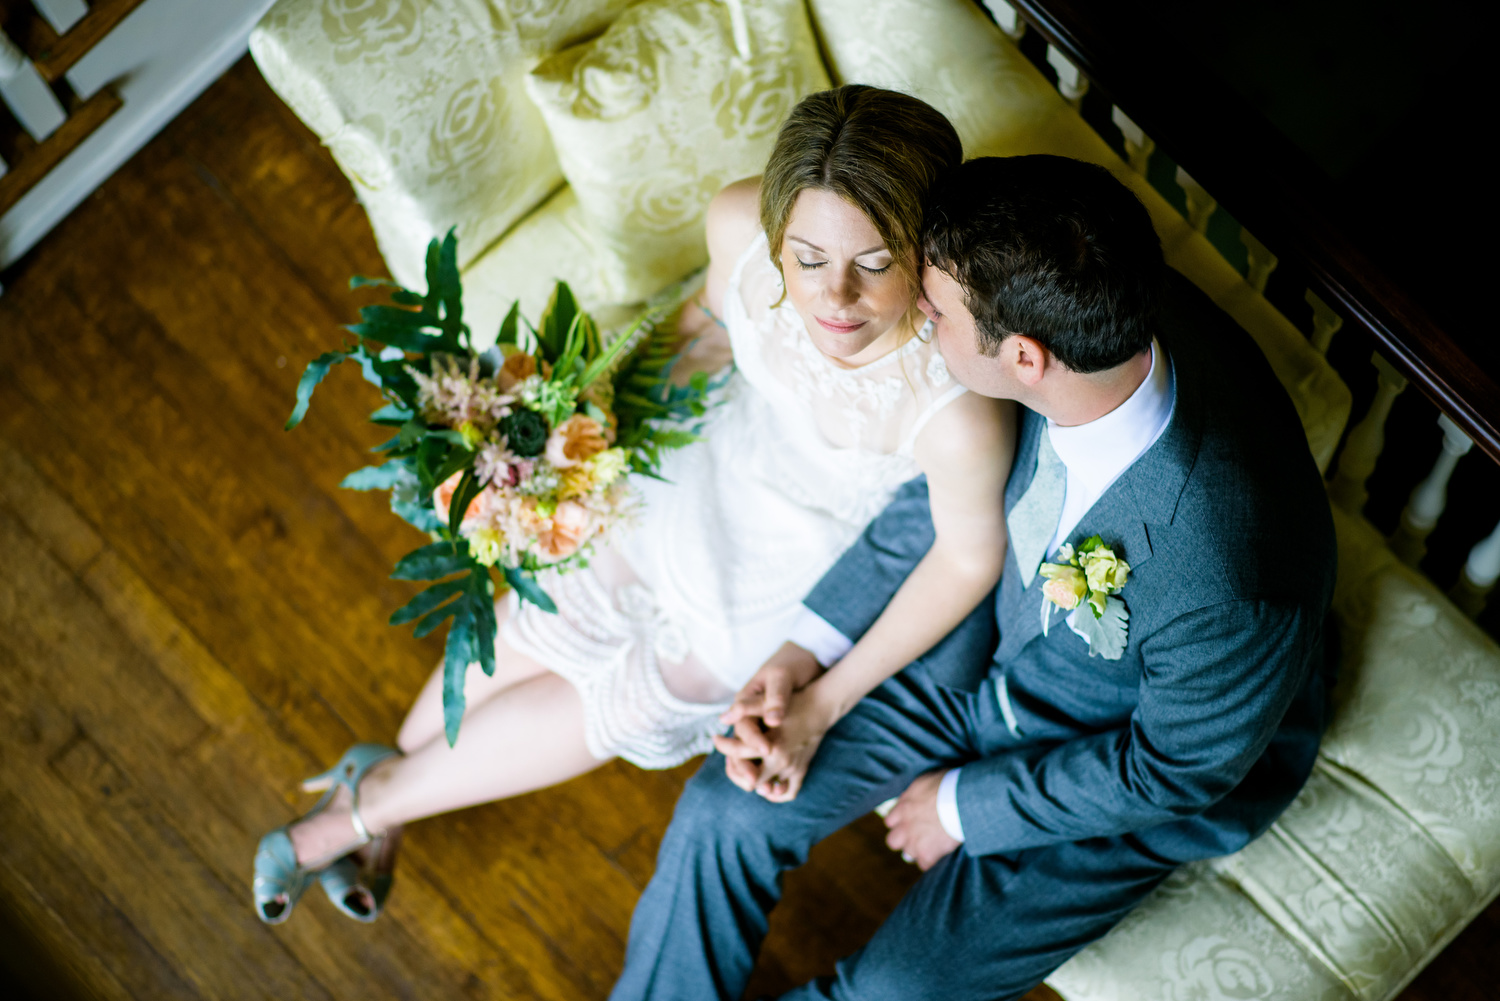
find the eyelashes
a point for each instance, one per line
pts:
(803, 265)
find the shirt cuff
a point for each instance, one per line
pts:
(813, 633)
(947, 805)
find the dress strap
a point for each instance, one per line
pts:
(732, 287)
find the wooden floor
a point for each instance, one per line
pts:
(191, 618)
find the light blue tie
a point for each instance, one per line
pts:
(1033, 521)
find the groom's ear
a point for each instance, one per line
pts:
(1028, 358)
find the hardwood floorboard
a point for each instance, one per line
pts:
(192, 618)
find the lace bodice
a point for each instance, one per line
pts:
(854, 428)
(797, 460)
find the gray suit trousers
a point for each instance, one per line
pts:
(989, 927)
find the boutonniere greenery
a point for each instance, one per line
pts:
(1084, 584)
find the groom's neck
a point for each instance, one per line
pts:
(1071, 398)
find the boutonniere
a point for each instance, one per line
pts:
(1084, 584)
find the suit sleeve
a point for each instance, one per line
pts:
(851, 596)
(1216, 684)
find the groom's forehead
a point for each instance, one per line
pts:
(942, 289)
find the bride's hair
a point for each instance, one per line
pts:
(879, 150)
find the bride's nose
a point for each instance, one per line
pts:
(842, 289)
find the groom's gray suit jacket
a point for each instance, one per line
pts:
(1205, 729)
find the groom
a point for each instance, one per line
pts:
(1056, 766)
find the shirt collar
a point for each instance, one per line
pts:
(1099, 451)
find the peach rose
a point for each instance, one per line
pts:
(517, 368)
(570, 526)
(1065, 585)
(574, 440)
(443, 496)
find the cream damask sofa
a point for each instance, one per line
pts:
(582, 139)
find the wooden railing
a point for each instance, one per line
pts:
(1229, 153)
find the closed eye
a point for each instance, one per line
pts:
(805, 266)
(875, 271)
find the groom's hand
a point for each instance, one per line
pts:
(915, 829)
(762, 704)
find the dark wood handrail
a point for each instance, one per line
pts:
(1270, 186)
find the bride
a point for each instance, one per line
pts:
(838, 396)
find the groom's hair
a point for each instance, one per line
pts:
(1053, 248)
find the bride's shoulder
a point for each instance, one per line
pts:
(969, 430)
(733, 220)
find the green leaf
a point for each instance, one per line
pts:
(450, 291)
(433, 561)
(391, 413)
(482, 597)
(509, 324)
(317, 369)
(433, 619)
(1090, 544)
(427, 600)
(528, 589)
(557, 320)
(457, 656)
(1106, 635)
(601, 364)
(381, 477)
(411, 432)
(459, 458)
(671, 438)
(468, 488)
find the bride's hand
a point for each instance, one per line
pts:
(762, 704)
(794, 744)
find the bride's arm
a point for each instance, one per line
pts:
(966, 452)
(733, 221)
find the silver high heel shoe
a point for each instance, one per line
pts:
(280, 880)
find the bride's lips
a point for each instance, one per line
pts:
(834, 327)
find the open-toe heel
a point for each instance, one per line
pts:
(359, 887)
(280, 880)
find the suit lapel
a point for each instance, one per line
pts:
(1145, 494)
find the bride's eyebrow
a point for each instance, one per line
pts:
(813, 246)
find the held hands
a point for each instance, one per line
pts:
(778, 725)
(915, 830)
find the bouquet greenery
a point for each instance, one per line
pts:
(513, 459)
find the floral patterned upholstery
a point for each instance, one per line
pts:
(1392, 847)
(421, 103)
(677, 99)
(1394, 844)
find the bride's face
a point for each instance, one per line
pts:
(841, 279)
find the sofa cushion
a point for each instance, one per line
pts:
(422, 104)
(1393, 845)
(946, 52)
(675, 100)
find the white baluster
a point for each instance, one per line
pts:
(1420, 517)
(1007, 18)
(1325, 322)
(26, 93)
(1200, 204)
(1071, 82)
(1261, 262)
(1366, 441)
(1138, 145)
(61, 14)
(1480, 572)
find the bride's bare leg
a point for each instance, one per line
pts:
(528, 738)
(424, 721)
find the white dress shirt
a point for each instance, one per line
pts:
(1094, 455)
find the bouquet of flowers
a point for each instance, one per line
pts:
(513, 459)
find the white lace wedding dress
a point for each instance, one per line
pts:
(800, 456)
